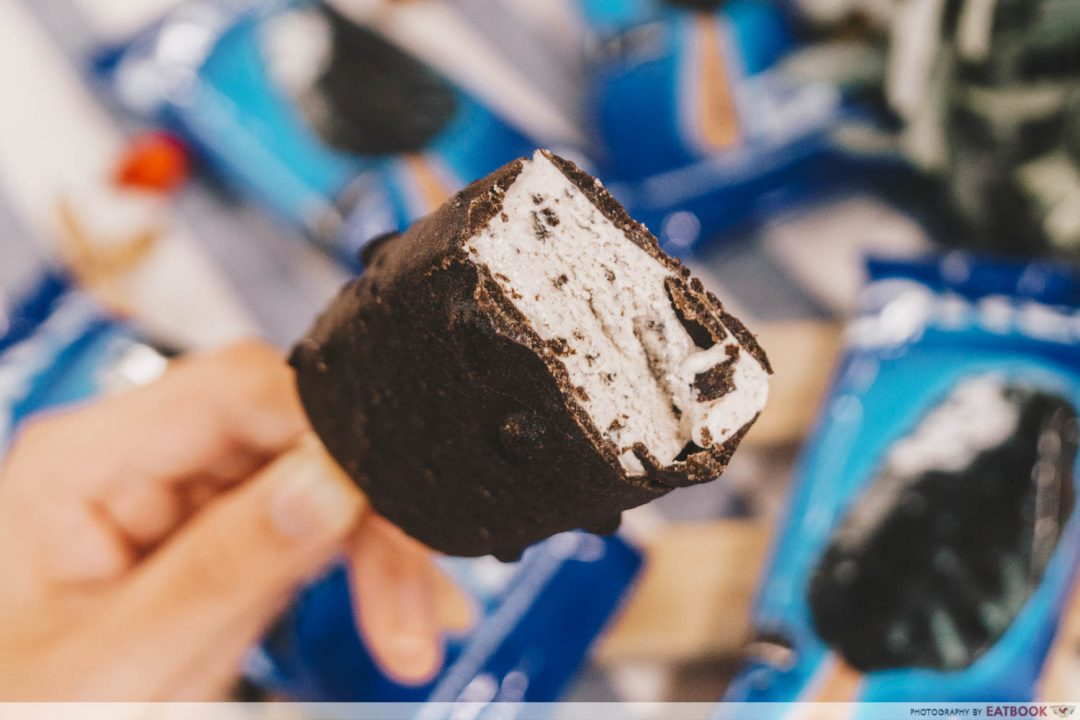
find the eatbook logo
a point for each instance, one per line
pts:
(1064, 711)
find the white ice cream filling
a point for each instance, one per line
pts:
(583, 284)
(977, 416)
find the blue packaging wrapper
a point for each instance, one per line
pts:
(668, 68)
(538, 618)
(58, 347)
(702, 130)
(965, 622)
(204, 72)
(604, 19)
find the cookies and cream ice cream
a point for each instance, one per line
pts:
(525, 361)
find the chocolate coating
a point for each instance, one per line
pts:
(374, 98)
(459, 422)
(961, 549)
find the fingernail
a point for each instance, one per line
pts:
(311, 503)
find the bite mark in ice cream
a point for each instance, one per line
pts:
(607, 301)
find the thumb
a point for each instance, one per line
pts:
(221, 580)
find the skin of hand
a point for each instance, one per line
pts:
(148, 540)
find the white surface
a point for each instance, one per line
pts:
(913, 50)
(826, 249)
(56, 141)
(580, 280)
(976, 417)
(119, 19)
(298, 46)
(549, 39)
(975, 29)
(1052, 183)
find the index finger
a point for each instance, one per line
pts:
(126, 463)
(208, 414)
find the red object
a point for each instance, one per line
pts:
(154, 161)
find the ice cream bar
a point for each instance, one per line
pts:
(366, 96)
(938, 558)
(525, 361)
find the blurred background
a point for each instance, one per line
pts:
(185, 173)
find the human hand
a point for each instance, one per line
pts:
(148, 540)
